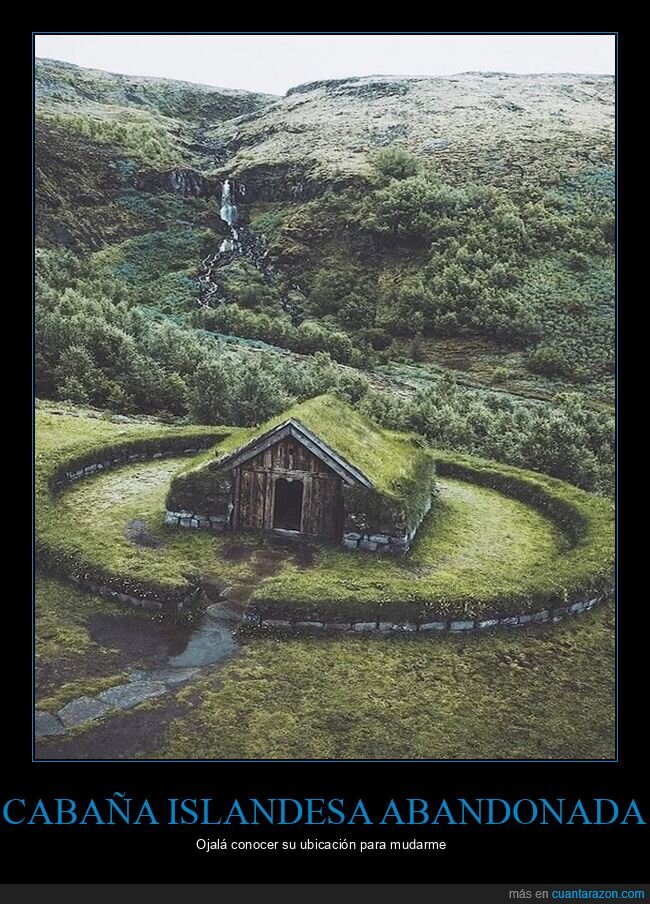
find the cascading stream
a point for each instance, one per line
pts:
(242, 241)
(228, 213)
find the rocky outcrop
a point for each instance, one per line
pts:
(478, 125)
(61, 85)
(185, 182)
(282, 182)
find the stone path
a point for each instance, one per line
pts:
(211, 642)
(138, 689)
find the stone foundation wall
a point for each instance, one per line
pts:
(396, 544)
(196, 521)
(453, 624)
(79, 471)
(153, 602)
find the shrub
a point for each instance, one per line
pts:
(395, 163)
(548, 361)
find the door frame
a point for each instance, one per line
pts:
(301, 480)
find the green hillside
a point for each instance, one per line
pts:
(438, 251)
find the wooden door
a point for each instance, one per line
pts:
(251, 503)
(323, 507)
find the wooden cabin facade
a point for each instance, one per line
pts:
(289, 480)
(288, 477)
(287, 487)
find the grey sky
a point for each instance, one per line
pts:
(274, 63)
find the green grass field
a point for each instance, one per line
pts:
(542, 692)
(545, 691)
(476, 534)
(479, 550)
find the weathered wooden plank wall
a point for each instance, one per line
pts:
(254, 489)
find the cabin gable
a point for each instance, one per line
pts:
(287, 486)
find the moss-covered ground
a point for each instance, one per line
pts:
(548, 692)
(535, 693)
(85, 644)
(475, 535)
(478, 550)
(545, 691)
(475, 538)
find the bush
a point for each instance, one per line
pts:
(395, 163)
(548, 361)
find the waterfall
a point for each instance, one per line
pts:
(240, 240)
(228, 213)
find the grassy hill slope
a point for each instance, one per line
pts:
(408, 228)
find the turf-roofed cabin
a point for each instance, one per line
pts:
(320, 470)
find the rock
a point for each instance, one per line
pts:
(170, 676)
(365, 626)
(124, 696)
(405, 626)
(82, 710)
(435, 144)
(400, 543)
(385, 626)
(186, 182)
(47, 724)
(510, 622)
(213, 586)
(368, 545)
(276, 623)
(309, 625)
(433, 626)
(461, 625)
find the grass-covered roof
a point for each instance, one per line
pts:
(386, 458)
